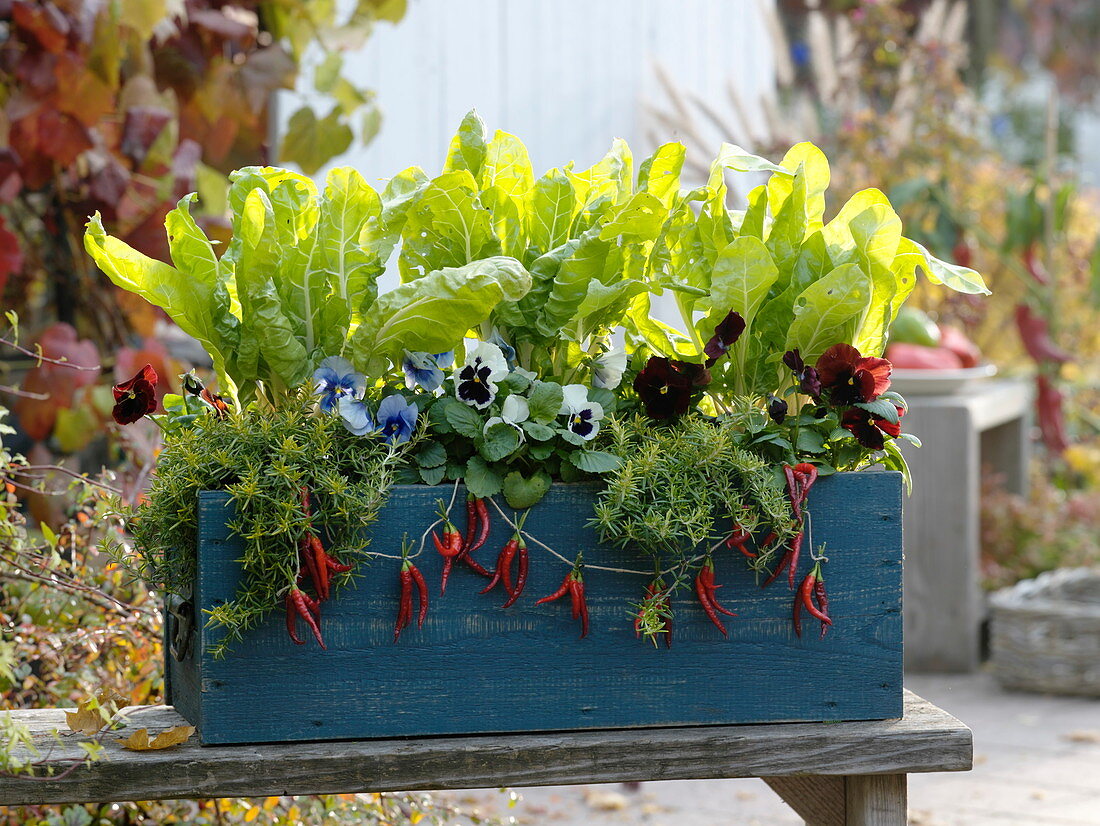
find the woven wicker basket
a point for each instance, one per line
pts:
(1045, 633)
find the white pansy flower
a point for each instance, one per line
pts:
(581, 415)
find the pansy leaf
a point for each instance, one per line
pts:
(515, 382)
(433, 475)
(463, 418)
(882, 409)
(545, 401)
(594, 461)
(540, 451)
(538, 432)
(525, 492)
(431, 455)
(481, 480)
(501, 440)
(572, 438)
(810, 441)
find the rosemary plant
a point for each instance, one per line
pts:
(263, 459)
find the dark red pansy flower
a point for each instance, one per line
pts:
(869, 428)
(136, 397)
(849, 377)
(727, 332)
(665, 386)
(808, 380)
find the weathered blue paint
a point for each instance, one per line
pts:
(476, 668)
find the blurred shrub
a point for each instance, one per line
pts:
(1051, 528)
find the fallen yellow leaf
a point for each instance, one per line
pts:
(139, 740)
(94, 713)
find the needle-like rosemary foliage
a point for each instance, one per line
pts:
(262, 458)
(677, 493)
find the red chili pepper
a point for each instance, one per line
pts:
(291, 625)
(739, 539)
(702, 591)
(655, 587)
(573, 585)
(450, 547)
(309, 561)
(336, 567)
(481, 517)
(804, 599)
(708, 572)
(422, 592)
(321, 566)
(788, 562)
(822, 603)
(301, 608)
(563, 589)
(472, 522)
(521, 580)
(576, 591)
(404, 610)
(503, 570)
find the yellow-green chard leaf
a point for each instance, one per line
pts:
(829, 311)
(447, 226)
(433, 313)
(262, 311)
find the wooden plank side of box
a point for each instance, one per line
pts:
(475, 668)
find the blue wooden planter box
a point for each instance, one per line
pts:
(475, 668)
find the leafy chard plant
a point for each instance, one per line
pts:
(520, 347)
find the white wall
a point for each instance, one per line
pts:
(566, 76)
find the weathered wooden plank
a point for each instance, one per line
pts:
(876, 800)
(818, 800)
(524, 668)
(925, 739)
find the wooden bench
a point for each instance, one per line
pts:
(838, 773)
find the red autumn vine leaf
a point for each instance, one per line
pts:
(44, 21)
(11, 255)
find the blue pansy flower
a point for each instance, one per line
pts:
(336, 379)
(396, 419)
(424, 369)
(507, 349)
(356, 415)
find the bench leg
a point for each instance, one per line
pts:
(856, 800)
(876, 799)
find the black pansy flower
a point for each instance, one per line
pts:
(475, 383)
(136, 397)
(666, 387)
(727, 332)
(869, 428)
(777, 409)
(849, 377)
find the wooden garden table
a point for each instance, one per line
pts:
(830, 773)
